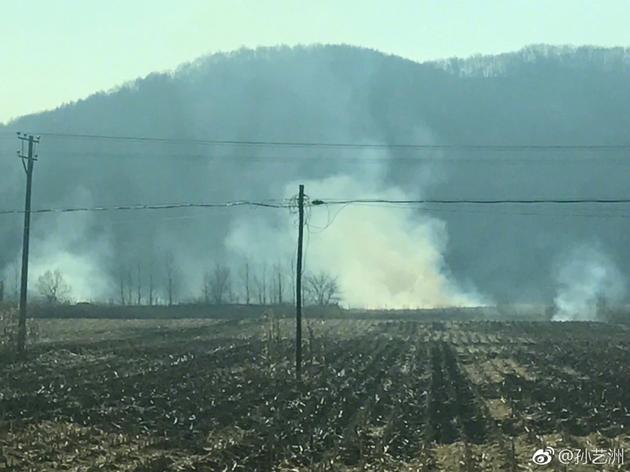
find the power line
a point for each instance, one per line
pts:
(321, 144)
(165, 206)
(317, 202)
(383, 203)
(253, 158)
(496, 213)
(420, 204)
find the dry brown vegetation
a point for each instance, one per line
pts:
(211, 395)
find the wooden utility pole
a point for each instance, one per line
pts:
(298, 288)
(30, 158)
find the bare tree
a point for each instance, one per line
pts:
(16, 280)
(121, 284)
(278, 282)
(206, 287)
(322, 288)
(150, 288)
(138, 284)
(260, 282)
(217, 284)
(53, 287)
(279, 279)
(245, 277)
(170, 278)
(291, 266)
(129, 287)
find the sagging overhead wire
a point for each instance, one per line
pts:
(539, 201)
(291, 205)
(406, 159)
(494, 212)
(453, 206)
(337, 145)
(161, 206)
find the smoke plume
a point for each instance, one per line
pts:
(588, 282)
(383, 256)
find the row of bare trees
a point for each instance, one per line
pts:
(139, 285)
(260, 284)
(266, 287)
(252, 285)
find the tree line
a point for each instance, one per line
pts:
(249, 284)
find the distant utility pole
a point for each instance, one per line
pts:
(27, 162)
(298, 288)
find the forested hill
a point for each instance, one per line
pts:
(540, 94)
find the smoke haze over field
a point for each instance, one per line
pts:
(383, 256)
(588, 282)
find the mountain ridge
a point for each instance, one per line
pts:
(475, 66)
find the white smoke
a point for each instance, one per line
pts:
(84, 277)
(588, 281)
(66, 243)
(383, 256)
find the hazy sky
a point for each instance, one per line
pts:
(54, 51)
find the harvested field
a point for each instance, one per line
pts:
(206, 395)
